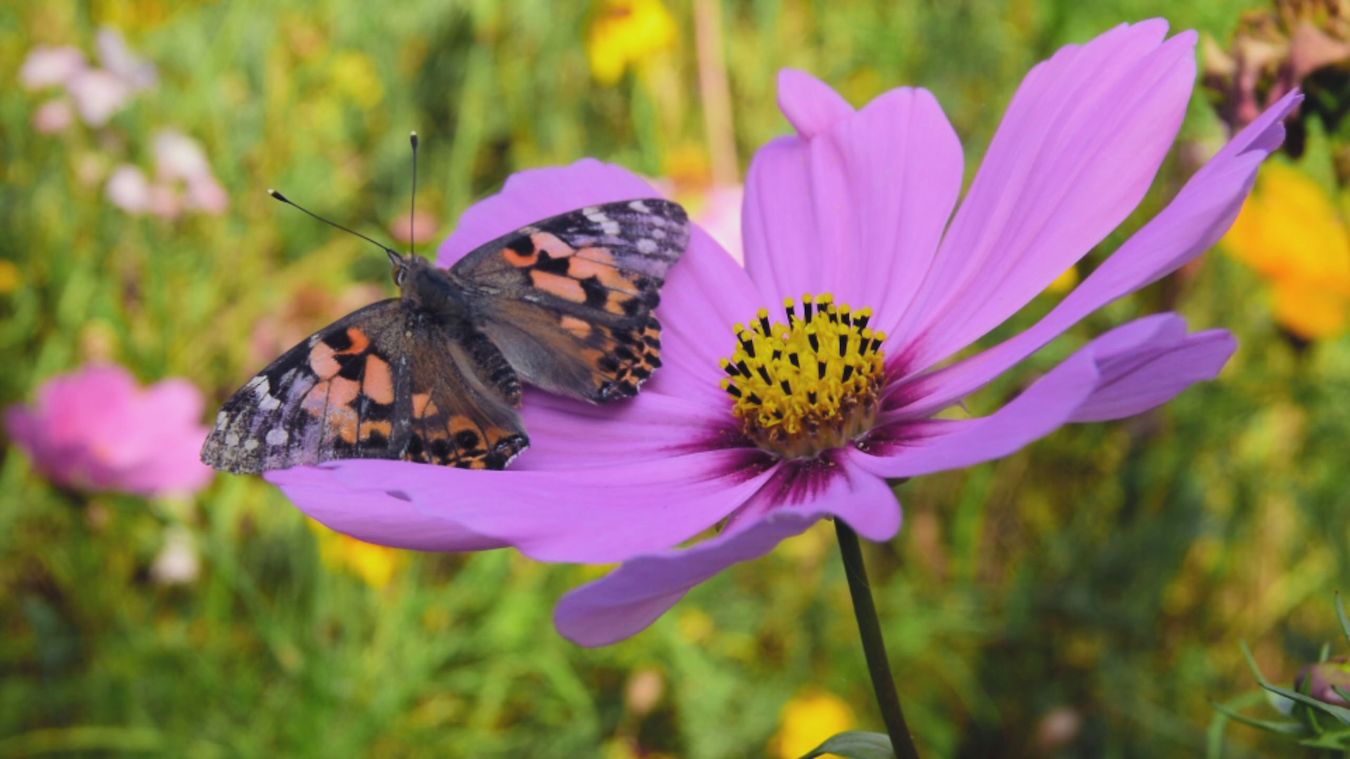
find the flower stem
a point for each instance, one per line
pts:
(874, 647)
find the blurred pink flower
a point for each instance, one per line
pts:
(183, 181)
(54, 116)
(50, 66)
(129, 189)
(720, 216)
(98, 95)
(117, 58)
(425, 224)
(95, 429)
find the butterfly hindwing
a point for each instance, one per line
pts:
(569, 300)
(352, 390)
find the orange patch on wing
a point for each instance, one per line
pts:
(578, 327)
(598, 255)
(321, 360)
(614, 303)
(520, 260)
(550, 244)
(378, 381)
(423, 405)
(558, 285)
(343, 420)
(581, 268)
(383, 427)
(360, 341)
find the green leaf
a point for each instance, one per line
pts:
(1339, 712)
(855, 744)
(1284, 728)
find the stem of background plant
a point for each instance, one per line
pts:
(874, 647)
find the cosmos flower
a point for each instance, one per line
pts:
(96, 430)
(793, 389)
(1291, 233)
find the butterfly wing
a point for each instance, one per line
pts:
(569, 300)
(382, 382)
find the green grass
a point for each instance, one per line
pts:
(1110, 569)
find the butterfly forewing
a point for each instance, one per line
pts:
(379, 383)
(568, 300)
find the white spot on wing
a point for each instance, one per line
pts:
(232, 439)
(276, 436)
(250, 444)
(221, 419)
(610, 227)
(640, 207)
(646, 246)
(269, 403)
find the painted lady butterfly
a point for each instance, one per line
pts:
(434, 376)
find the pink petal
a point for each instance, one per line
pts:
(372, 514)
(589, 515)
(810, 104)
(50, 66)
(931, 446)
(652, 425)
(1148, 362)
(1075, 153)
(637, 593)
(858, 210)
(1193, 222)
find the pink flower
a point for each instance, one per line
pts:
(98, 95)
(54, 116)
(96, 430)
(816, 418)
(720, 217)
(129, 189)
(50, 66)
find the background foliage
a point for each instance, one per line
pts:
(1083, 598)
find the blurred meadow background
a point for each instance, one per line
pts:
(1086, 597)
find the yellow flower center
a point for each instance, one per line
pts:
(809, 385)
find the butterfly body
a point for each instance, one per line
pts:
(435, 375)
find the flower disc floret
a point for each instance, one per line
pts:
(810, 385)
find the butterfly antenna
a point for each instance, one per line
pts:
(377, 243)
(412, 209)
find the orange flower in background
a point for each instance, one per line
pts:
(375, 565)
(626, 33)
(1292, 234)
(808, 719)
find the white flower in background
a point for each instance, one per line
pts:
(177, 562)
(129, 189)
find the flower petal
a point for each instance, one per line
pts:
(929, 446)
(1148, 362)
(593, 515)
(637, 593)
(630, 598)
(809, 103)
(856, 209)
(374, 513)
(1193, 222)
(651, 425)
(1075, 153)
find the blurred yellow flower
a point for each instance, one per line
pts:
(375, 565)
(1291, 233)
(1064, 282)
(355, 77)
(626, 33)
(807, 720)
(9, 277)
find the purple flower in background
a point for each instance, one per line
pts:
(95, 429)
(804, 414)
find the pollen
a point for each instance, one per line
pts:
(808, 385)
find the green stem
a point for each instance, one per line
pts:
(874, 647)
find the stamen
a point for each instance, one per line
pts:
(784, 406)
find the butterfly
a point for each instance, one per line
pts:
(434, 376)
